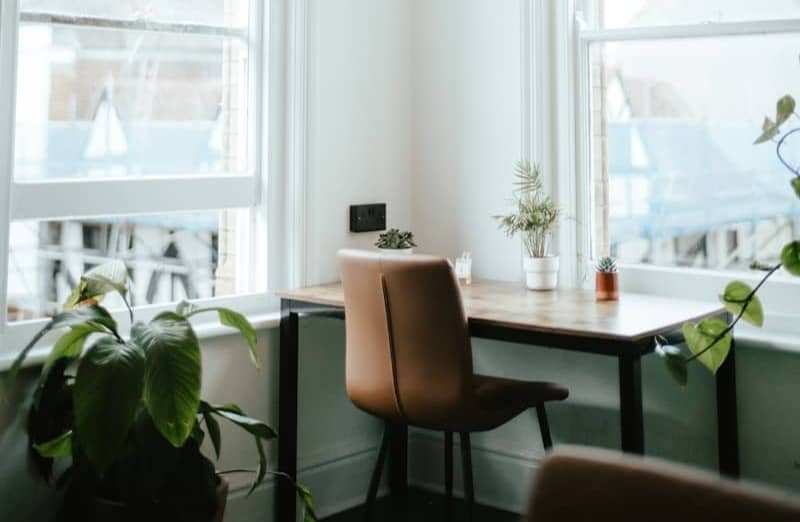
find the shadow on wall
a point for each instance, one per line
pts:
(24, 496)
(680, 423)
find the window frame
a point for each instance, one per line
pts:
(149, 194)
(556, 41)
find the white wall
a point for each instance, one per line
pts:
(359, 122)
(467, 121)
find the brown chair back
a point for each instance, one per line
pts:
(408, 353)
(598, 485)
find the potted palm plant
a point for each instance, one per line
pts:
(396, 241)
(535, 216)
(120, 419)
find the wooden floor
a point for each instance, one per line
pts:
(423, 507)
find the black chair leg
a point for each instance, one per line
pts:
(375, 481)
(466, 465)
(448, 475)
(544, 427)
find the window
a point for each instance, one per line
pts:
(133, 136)
(676, 95)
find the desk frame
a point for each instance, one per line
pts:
(628, 354)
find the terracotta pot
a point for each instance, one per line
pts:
(606, 286)
(109, 511)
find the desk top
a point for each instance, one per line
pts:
(561, 311)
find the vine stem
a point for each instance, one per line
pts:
(781, 143)
(746, 302)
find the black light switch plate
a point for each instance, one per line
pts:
(368, 218)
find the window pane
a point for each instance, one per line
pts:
(209, 12)
(637, 13)
(100, 102)
(169, 258)
(677, 180)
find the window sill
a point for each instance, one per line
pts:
(778, 295)
(206, 330)
(780, 342)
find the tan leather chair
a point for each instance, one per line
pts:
(593, 485)
(409, 358)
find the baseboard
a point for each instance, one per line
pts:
(339, 481)
(502, 477)
(338, 484)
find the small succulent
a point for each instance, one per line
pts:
(606, 265)
(393, 239)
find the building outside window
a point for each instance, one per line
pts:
(677, 95)
(118, 103)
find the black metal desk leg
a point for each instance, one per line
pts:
(630, 398)
(727, 421)
(398, 467)
(285, 502)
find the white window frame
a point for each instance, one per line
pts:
(267, 148)
(556, 133)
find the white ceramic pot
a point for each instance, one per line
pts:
(541, 273)
(397, 250)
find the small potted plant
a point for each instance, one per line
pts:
(606, 280)
(396, 241)
(120, 420)
(536, 215)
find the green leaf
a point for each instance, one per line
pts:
(213, 432)
(734, 299)
(108, 388)
(308, 502)
(675, 361)
(790, 257)
(94, 314)
(700, 336)
(238, 321)
(172, 374)
(253, 426)
(770, 130)
(796, 185)
(61, 446)
(257, 428)
(235, 320)
(784, 109)
(261, 472)
(70, 345)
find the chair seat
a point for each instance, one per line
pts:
(494, 402)
(497, 392)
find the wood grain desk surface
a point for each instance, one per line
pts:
(561, 311)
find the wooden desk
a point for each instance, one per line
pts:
(564, 319)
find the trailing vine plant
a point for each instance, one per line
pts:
(709, 341)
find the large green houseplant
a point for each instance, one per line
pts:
(120, 423)
(709, 341)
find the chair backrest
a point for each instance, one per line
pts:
(601, 485)
(408, 347)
